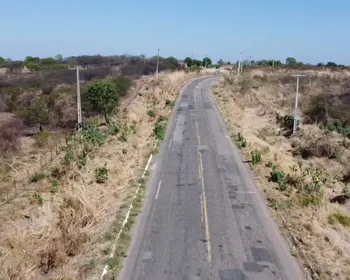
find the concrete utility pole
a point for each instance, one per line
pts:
(240, 64)
(296, 115)
(250, 61)
(157, 71)
(79, 102)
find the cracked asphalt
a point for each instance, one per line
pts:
(203, 216)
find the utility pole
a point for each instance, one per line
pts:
(157, 71)
(79, 101)
(296, 115)
(273, 63)
(240, 66)
(250, 61)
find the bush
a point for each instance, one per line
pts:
(241, 142)
(317, 110)
(340, 218)
(101, 174)
(160, 128)
(122, 84)
(39, 199)
(42, 138)
(340, 127)
(92, 134)
(256, 157)
(169, 103)
(151, 113)
(9, 137)
(35, 114)
(102, 97)
(37, 177)
(278, 177)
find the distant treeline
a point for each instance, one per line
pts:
(131, 65)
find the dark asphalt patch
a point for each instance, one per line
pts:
(232, 274)
(260, 254)
(252, 267)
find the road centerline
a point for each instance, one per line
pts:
(204, 199)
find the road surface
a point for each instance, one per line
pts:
(203, 217)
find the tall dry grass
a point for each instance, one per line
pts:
(67, 231)
(254, 106)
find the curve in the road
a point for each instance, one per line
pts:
(203, 217)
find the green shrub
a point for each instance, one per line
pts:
(277, 176)
(122, 84)
(113, 128)
(340, 127)
(340, 218)
(160, 128)
(288, 122)
(68, 157)
(151, 113)
(241, 142)
(256, 157)
(37, 177)
(42, 138)
(101, 174)
(54, 186)
(169, 103)
(39, 199)
(92, 134)
(102, 97)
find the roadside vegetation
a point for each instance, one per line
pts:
(60, 220)
(306, 177)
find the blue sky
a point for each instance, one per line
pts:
(309, 30)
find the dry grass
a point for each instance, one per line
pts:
(253, 106)
(66, 228)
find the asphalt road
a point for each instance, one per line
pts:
(203, 217)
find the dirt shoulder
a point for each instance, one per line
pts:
(301, 177)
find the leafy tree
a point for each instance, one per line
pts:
(278, 63)
(122, 84)
(331, 64)
(228, 63)
(103, 97)
(2, 60)
(188, 61)
(35, 114)
(291, 61)
(33, 67)
(49, 60)
(320, 64)
(207, 62)
(171, 63)
(59, 58)
(196, 63)
(300, 63)
(220, 62)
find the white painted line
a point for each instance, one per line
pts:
(245, 192)
(160, 182)
(170, 143)
(105, 269)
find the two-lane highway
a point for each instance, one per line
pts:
(203, 217)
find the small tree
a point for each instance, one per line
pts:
(103, 97)
(59, 58)
(122, 84)
(220, 62)
(291, 61)
(188, 61)
(2, 60)
(207, 62)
